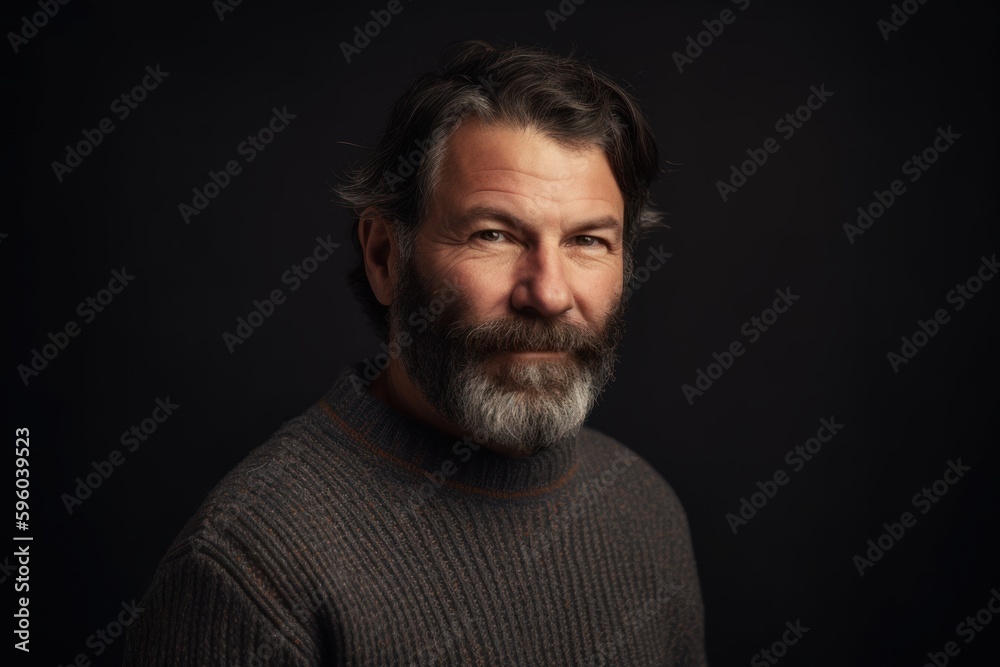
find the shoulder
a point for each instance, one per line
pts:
(599, 449)
(254, 534)
(253, 540)
(635, 495)
(265, 502)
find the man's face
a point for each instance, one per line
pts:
(530, 233)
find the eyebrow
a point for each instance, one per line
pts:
(608, 222)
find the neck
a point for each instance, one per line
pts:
(394, 387)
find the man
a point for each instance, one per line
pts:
(452, 509)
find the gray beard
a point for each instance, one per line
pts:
(515, 407)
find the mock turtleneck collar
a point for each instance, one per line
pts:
(423, 450)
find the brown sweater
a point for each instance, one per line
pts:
(356, 536)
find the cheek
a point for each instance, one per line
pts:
(486, 288)
(599, 294)
(597, 289)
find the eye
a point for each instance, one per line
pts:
(490, 235)
(588, 241)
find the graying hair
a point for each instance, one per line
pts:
(564, 98)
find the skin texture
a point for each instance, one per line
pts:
(549, 246)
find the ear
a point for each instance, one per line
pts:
(381, 254)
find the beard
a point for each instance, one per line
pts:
(515, 406)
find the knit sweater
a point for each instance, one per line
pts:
(358, 536)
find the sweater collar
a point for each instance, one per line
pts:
(441, 459)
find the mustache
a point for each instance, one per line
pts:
(521, 334)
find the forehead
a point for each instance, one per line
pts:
(524, 168)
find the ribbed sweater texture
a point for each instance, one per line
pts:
(358, 536)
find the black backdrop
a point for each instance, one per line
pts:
(223, 73)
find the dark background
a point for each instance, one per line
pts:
(825, 357)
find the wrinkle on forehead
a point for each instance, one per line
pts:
(526, 163)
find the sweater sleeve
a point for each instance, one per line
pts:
(196, 613)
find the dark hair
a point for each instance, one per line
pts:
(565, 98)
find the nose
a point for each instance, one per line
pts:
(541, 287)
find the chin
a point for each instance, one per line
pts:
(526, 408)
